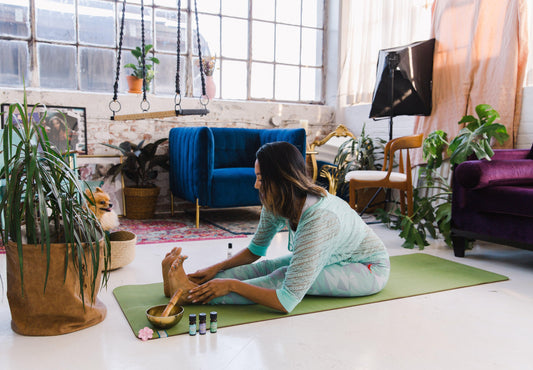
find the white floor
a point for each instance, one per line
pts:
(482, 327)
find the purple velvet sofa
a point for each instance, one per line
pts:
(493, 200)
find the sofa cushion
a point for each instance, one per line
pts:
(234, 187)
(235, 147)
(530, 154)
(480, 174)
(505, 199)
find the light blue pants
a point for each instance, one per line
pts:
(336, 280)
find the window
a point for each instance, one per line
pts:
(263, 49)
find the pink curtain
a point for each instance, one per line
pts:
(480, 58)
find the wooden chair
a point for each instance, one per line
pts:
(312, 152)
(386, 178)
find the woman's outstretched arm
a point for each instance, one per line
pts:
(244, 257)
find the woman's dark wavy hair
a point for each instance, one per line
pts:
(284, 180)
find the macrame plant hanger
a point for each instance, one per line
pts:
(115, 105)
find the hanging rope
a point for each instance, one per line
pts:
(116, 107)
(177, 103)
(145, 105)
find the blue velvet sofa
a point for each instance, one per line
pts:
(492, 200)
(214, 167)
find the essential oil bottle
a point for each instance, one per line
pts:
(230, 250)
(192, 324)
(213, 324)
(203, 326)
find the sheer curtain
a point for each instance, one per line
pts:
(369, 26)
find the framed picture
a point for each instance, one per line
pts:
(66, 126)
(93, 170)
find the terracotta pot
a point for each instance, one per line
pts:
(59, 309)
(135, 84)
(140, 202)
(210, 87)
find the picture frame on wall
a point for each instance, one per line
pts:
(93, 170)
(66, 127)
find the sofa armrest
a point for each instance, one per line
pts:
(482, 173)
(191, 151)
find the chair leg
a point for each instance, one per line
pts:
(171, 204)
(410, 206)
(402, 202)
(352, 196)
(197, 214)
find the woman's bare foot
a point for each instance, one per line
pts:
(165, 267)
(177, 279)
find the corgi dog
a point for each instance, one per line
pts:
(99, 204)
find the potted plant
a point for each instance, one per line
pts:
(432, 198)
(135, 79)
(139, 166)
(55, 247)
(353, 155)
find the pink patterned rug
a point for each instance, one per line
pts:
(214, 224)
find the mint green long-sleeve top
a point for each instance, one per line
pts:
(329, 232)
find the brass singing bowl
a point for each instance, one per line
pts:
(153, 314)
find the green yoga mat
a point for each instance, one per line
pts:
(411, 275)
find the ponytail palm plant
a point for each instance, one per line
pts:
(43, 201)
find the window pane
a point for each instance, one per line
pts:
(96, 22)
(234, 38)
(311, 84)
(13, 63)
(312, 13)
(210, 30)
(165, 74)
(97, 69)
(311, 47)
(132, 26)
(55, 20)
(169, 3)
(263, 41)
(236, 8)
(264, 9)
(287, 83)
(233, 80)
(15, 19)
(57, 66)
(208, 6)
(166, 31)
(288, 11)
(262, 78)
(287, 44)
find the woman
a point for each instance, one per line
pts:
(334, 253)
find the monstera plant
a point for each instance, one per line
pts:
(432, 199)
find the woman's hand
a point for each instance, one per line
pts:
(203, 275)
(212, 289)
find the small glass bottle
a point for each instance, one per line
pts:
(213, 324)
(202, 328)
(192, 324)
(230, 250)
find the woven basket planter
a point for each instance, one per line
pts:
(140, 202)
(122, 248)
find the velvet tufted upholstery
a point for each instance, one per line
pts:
(492, 200)
(216, 165)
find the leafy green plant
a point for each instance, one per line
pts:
(432, 199)
(137, 69)
(44, 197)
(140, 163)
(354, 154)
